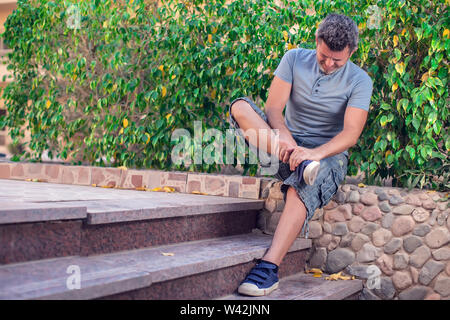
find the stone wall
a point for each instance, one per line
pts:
(396, 241)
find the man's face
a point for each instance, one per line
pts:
(329, 61)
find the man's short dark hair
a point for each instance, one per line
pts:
(338, 31)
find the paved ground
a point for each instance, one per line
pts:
(22, 201)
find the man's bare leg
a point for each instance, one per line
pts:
(289, 226)
(250, 122)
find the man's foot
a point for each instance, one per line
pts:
(261, 280)
(308, 170)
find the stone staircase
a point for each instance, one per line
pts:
(79, 242)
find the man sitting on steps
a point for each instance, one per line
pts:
(327, 100)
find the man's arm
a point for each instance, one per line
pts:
(278, 96)
(354, 121)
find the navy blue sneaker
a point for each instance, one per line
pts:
(261, 280)
(308, 170)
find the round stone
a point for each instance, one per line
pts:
(421, 230)
(369, 228)
(396, 200)
(411, 243)
(442, 285)
(441, 254)
(393, 246)
(401, 260)
(381, 236)
(315, 230)
(368, 253)
(387, 220)
(358, 208)
(340, 229)
(353, 197)
(318, 258)
(382, 196)
(358, 241)
(384, 206)
(419, 256)
(338, 259)
(420, 215)
(429, 204)
(430, 270)
(404, 209)
(402, 225)
(437, 238)
(356, 224)
(371, 213)
(414, 293)
(402, 280)
(369, 199)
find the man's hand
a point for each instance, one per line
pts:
(300, 154)
(286, 147)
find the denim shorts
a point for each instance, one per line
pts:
(331, 174)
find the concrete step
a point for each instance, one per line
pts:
(50, 220)
(303, 286)
(192, 270)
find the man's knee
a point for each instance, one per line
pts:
(239, 109)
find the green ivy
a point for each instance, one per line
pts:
(117, 87)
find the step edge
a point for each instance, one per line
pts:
(150, 277)
(97, 218)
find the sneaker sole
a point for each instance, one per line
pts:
(250, 289)
(310, 172)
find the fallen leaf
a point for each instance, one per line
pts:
(317, 275)
(168, 254)
(123, 168)
(198, 192)
(140, 188)
(157, 189)
(361, 185)
(168, 189)
(314, 270)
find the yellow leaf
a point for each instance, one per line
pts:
(214, 30)
(168, 254)
(121, 131)
(394, 87)
(125, 123)
(291, 46)
(395, 40)
(446, 33)
(227, 114)
(173, 77)
(168, 116)
(168, 189)
(74, 77)
(107, 187)
(148, 137)
(378, 139)
(198, 192)
(361, 185)
(210, 38)
(425, 77)
(161, 67)
(314, 270)
(403, 31)
(157, 189)
(48, 104)
(400, 67)
(163, 91)
(317, 275)
(229, 71)
(94, 185)
(285, 35)
(140, 188)
(213, 93)
(122, 168)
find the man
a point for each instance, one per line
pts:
(327, 100)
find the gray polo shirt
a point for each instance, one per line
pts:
(316, 107)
